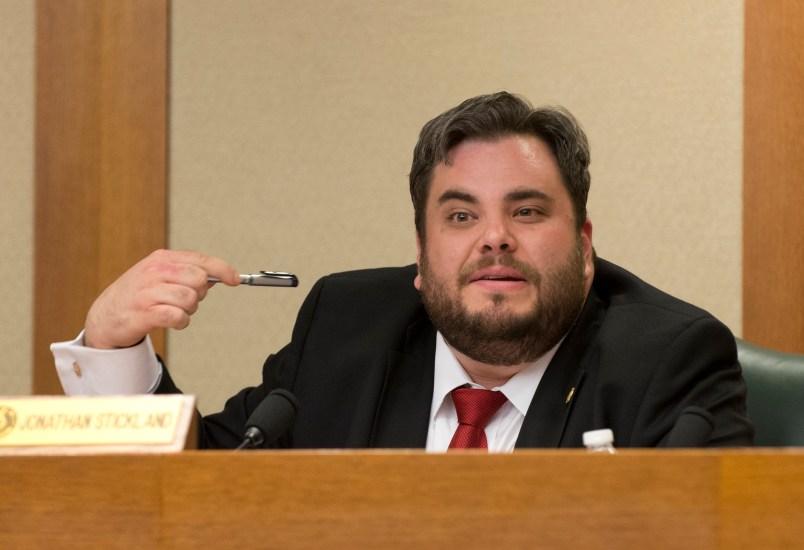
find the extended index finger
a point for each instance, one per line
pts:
(211, 265)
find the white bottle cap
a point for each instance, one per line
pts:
(598, 438)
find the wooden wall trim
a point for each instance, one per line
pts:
(101, 157)
(773, 195)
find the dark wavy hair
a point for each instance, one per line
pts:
(493, 117)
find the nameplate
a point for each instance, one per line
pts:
(76, 425)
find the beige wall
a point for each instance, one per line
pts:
(16, 197)
(292, 125)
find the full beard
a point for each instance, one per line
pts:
(495, 335)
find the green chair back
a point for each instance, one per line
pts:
(775, 394)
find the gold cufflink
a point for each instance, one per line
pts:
(77, 369)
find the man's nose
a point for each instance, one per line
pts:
(497, 237)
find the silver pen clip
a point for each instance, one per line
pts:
(265, 278)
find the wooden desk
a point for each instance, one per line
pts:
(292, 499)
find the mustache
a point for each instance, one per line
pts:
(530, 273)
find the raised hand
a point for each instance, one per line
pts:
(161, 291)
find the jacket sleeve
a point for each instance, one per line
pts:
(225, 429)
(699, 370)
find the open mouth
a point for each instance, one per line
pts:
(498, 278)
(497, 273)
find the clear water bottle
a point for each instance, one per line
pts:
(599, 441)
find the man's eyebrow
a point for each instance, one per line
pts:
(513, 196)
(526, 194)
(452, 194)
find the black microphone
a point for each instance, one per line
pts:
(270, 419)
(692, 429)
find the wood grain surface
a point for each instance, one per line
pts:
(773, 196)
(101, 157)
(294, 499)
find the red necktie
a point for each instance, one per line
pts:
(475, 408)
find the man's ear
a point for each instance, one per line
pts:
(588, 249)
(417, 282)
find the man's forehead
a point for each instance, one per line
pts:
(507, 166)
(525, 141)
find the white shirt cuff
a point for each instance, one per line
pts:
(89, 371)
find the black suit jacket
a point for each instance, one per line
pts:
(361, 363)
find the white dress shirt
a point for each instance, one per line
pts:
(89, 371)
(503, 428)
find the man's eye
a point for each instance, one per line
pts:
(460, 217)
(528, 212)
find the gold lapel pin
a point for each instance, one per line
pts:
(569, 395)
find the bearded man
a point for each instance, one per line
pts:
(507, 303)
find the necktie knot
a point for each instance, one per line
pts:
(475, 408)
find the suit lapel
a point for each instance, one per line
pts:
(562, 381)
(548, 412)
(403, 416)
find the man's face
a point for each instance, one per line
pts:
(503, 270)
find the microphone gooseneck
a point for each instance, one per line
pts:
(272, 417)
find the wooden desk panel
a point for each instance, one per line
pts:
(762, 500)
(51, 502)
(291, 499)
(414, 500)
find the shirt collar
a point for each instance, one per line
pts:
(449, 374)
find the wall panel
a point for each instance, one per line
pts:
(16, 185)
(101, 157)
(773, 227)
